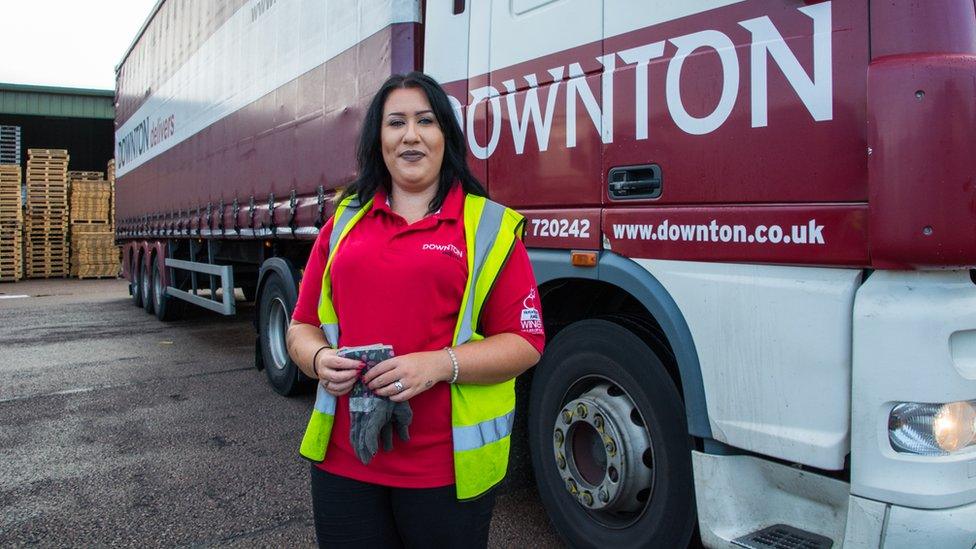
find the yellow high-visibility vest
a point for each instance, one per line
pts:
(481, 415)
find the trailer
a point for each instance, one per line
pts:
(752, 222)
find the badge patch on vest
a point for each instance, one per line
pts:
(531, 320)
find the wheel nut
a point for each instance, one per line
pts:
(558, 436)
(571, 486)
(586, 498)
(561, 461)
(581, 410)
(604, 495)
(567, 417)
(598, 422)
(611, 447)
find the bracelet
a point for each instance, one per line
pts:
(454, 364)
(315, 357)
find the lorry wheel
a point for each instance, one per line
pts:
(609, 441)
(166, 307)
(145, 286)
(135, 286)
(274, 315)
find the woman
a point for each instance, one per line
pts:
(415, 258)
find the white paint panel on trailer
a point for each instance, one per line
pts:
(478, 39)
(548, 28)
(262, 47)
(774, 344)
(446, 41)
(521, 6)
(523, 30)
(623, 16)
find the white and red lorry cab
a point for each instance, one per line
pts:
(753, 224)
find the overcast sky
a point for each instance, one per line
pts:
(72, 43)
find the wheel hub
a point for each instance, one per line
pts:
(277, 329)
(603, 451)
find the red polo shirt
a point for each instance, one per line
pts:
(401, 285)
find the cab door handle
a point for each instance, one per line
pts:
(636, 182)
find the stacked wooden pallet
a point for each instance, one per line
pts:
(90, 197)
(10, 145)
(86, 176)
(46, 228)
(11, 229)
(93, 250)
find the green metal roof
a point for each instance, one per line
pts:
(51, 101)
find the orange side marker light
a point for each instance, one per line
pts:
(583, 259)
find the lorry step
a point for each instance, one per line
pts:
(783, 536)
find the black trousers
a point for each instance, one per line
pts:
(350, 513)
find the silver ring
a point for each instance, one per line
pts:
(398, 386)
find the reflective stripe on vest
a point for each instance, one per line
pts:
(481, 415)
(319, 429)
(346, 215)
(481, 434)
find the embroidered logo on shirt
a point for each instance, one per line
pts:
(447, 249)
(531, 321)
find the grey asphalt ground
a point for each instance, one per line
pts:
(119, 430)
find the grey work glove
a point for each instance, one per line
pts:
(372, 419)
(402, 416)
(367, 417)
(368, 413)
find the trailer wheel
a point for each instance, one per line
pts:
(145, 285)
(609, 441)
(274, 315)
(135, 285)
(166, 307)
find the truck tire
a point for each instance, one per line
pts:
(135, 285)
(609, 441)
(145, 285)
(166, 307)
(274, 314)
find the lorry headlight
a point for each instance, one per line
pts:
(932, 429)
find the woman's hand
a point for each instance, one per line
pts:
(416, 373)
(335, 373)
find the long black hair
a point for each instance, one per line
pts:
(369, 152)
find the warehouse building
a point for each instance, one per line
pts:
(81, 121)
(56, 183)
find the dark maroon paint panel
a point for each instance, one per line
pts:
(576, 228)
(922, 120)
(838, 236)
(944, 26)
